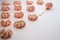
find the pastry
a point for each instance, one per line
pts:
(48, 6)
(32, 17)
(5, 8)
(30, 8)
(19, 24)
(5, 23)
(5, 14)
(5, 34)
(5, 3)
(40, 2)
(18, 14)
(17, 2)
(17, 8)
(29, 2)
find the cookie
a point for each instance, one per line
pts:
(40, 2)
(29, 2)
(30, 8)
(5, 14)
(18, 14)
(48, 6)
(5, 8)
(5, 23)
(32, 17)
(5, 34)
(19, 24)
(17, 8)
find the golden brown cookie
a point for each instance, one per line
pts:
(17, 8)
(29, 2)
(5, 3)
(5, 14)
(5, 8)
(32, 17)
(5, 23)
(18, 14)
(19, 24)
(30, 8)
(17, 2)
(48, 6)
(5, 34)
(40, 2)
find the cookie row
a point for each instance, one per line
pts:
(18, 6)
(31, 17)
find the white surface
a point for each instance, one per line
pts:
(47, 27)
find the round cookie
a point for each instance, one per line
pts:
(5, 8)
(29, 2)
(5, 23)
(5, 34)
(40, 2)
(48, 6)
(32, 17)
(5, 3)
(18, 14)
(30, 8)
(17, 2)
(5, 14)
(17, 8)
(19, 24)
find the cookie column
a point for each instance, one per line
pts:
(18, 14)
(31, 8)
(5, 22)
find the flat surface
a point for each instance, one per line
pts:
(47, 27)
